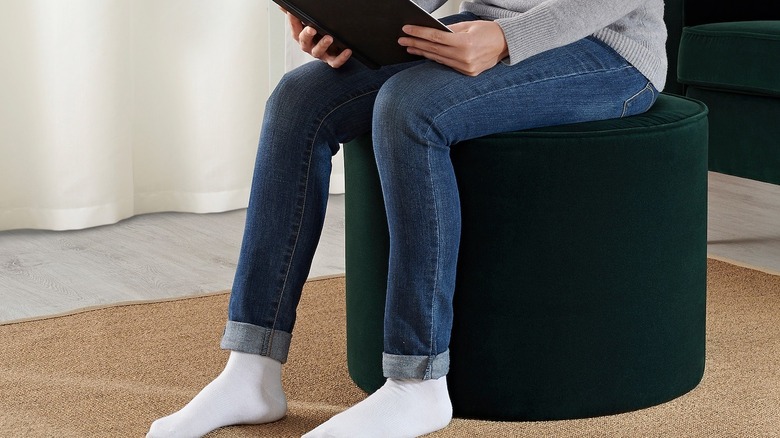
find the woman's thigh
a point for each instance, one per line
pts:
(315, 100)
(336, 100)
(582, 81)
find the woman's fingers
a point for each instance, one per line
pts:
(316, 45)
(306, 38)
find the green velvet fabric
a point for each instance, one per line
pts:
(727, 58)
(744, 134)
(739, 56)
(582, 269)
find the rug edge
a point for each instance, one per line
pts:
(731, 261)
(118, 304)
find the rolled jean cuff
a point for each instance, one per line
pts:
(416, 367)
(253, 339)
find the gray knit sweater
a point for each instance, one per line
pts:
(634, 28)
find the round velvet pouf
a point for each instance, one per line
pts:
(581, 278)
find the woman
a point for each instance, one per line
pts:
(508, 65)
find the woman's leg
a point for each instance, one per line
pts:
(311, 111)
(419, 114)
(423, 111)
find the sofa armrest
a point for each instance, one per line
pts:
(697, 12)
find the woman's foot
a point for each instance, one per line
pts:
(248, 391)
(400, 408)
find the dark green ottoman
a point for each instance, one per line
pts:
(582, 270)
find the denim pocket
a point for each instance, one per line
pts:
(641, 101)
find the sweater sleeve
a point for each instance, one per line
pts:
(555, 23)
(429, 5)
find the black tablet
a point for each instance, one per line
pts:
(370, 28)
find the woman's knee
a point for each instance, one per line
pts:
(298, 86)
(400, 104)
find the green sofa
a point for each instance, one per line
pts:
(728, 56)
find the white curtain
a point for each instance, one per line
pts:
(111, 108)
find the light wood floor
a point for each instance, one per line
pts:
(166, 255)
(744, 222)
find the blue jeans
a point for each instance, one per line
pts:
(415, 112)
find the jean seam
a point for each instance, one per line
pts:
(310, 153)
(432, 334)
(637, 94)
(504, 89)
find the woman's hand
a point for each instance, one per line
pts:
(473, 47)
(316, 46)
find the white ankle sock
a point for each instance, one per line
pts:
(248, 391)
(400, 408)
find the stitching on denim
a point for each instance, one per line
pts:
(637, 94)
(438, 253)
(438, 247)
(501, 90)
(310, 151)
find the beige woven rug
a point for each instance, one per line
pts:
(110, 372)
